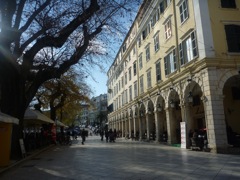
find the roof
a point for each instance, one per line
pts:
(36, 117)
(8, 119)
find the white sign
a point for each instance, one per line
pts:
(183, 135)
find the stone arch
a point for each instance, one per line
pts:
(224, 78)
(231, 104)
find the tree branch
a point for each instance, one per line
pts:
(63, 35)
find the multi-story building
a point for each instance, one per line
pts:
(84, 115)
(177, 70)
(98, 112)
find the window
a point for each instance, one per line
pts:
(130, 74)
(183, 8)
(188, 49)
(163, 5)
(139, 42)
(149, 81)
(130, 93)
(119, 85)
(141, 84)
(125, 78)
(126, 96)
(122, 81)
(158, 71)
(156, 42)
(148, 53)
(168, 30)
(228, 3)
(148, 28)
(155, 18)
(134, 68)
(233, 37)
(135, 89)
(140, 62)
(144, 34)
(170, 63)
(124, 48)
(122, 98)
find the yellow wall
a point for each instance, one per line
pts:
(219, 17)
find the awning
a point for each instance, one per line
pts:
(36, 117)
(8, 119)
(59, 123)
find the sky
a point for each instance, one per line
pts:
(99, 86)
(98, 83)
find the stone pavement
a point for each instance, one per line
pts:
(124, 160)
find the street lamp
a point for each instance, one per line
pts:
(190, 97)
(159, 108)
(172, 104)
(149, 111)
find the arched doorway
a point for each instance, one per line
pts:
(160, 119)
(136, 123)
(143, 124)
(150, 119)
(195, 113)
(175, 118)
(131, 123)
(231, 103)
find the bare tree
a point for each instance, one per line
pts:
(73, 31)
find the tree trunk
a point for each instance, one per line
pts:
(12, 101)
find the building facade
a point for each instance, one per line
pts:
(98, 111)
(177, 70)
(84, 117)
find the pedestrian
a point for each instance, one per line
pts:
(101, 134)
(190, 136)
(115, 134)
(111, 136)
(106, 134)
(83, 135)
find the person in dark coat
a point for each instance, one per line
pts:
(83, 135)
(101, 134)
(106, 135)
(111, 136)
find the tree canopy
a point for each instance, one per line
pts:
(66, 93)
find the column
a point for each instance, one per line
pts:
(148, 125)
(170, 129)
(140, 127)
(157, 116)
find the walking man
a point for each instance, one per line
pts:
(83, 135)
